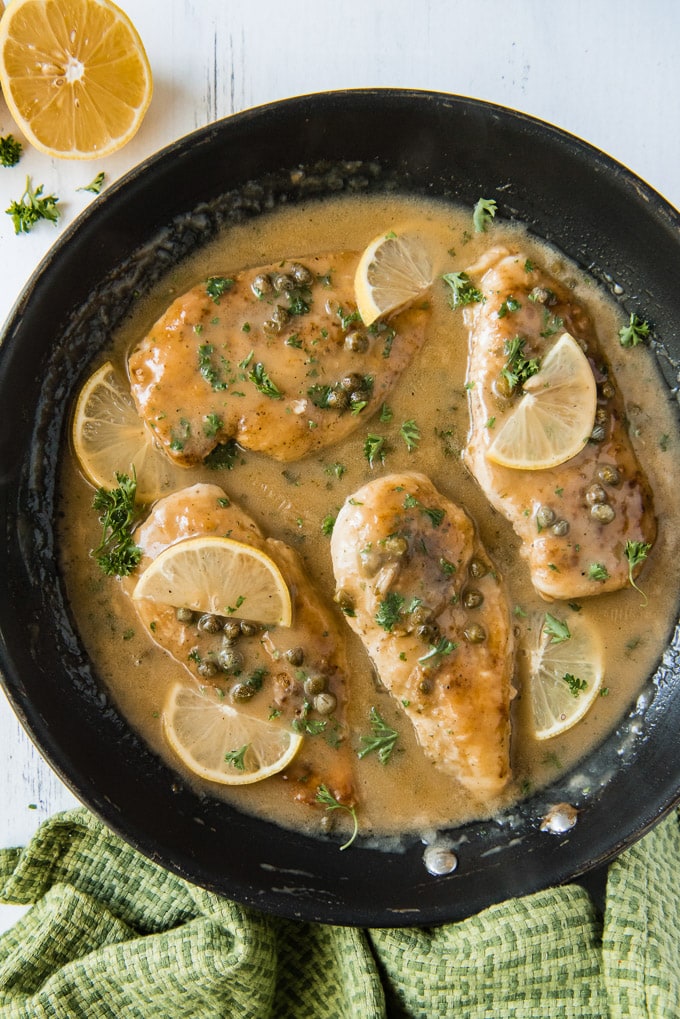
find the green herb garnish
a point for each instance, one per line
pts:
(381, 741)
(262, 382)
(375, 449)
(509, 305)
(95, 185)
(116, 554)
(390, 611)
(556, 629)
(410, 433)
(237, 757)
(597, 571)
(325, 796)
(463, 290)
(518, 368)
(10, 151)
(637, 331)
(444, 647)
(636, 552)
(215, 286)
(576, 685)
(484, 211)
(31, 208)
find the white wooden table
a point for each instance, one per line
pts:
(606, 70)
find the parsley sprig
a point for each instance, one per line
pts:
(95, 185)
(463, 291)
(636, 332)
(556, 629)
(237, 757)
(483, 213)
(117, 554)
(10, 151)
(382, 739)
(636, 552)
(263, 383)
(32, 207)
(518, 368)
(330, 802)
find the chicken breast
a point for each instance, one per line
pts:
(418, 588)
(575, 519)
(274, 357)
(281, 669)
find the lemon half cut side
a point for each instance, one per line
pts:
(554, 418)
(392, 272)
(75, 75)
(221, 576)
(221, 744)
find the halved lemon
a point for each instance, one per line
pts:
(221, 744)
(554, 418)
(109, 436)
(74, 74)
(392, 272)
(220, 576)
(565, 679)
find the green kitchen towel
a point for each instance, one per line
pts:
(111, 935)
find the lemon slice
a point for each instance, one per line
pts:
(221, 744)
(108, 436)
(392, 272)
(554, 418)
(220, 576)
(558, 703)
(74, 74)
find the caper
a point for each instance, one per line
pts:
(426, 686)
(595, 494)
(261, 285)
(357, 341)
(325, 703)
(478, 568)
(429, 633)
(344, 600)
(560, 528)
(603, 512)
(314, 684)
(242, 692)
(301, 274)
(475, 634)
(337, 399)
(229, 660)
(359, 396)
(472, 598)
(543, 295)
(609, 474)
(608, 390)
(421, 614)
(208, 623)
(280, 315)
(184, 615)
(503, 387)
(295, 655)
(396, 544)
(598, 434)
(282, 283)
(351, 382)
(545, 516)
(207, 668)
(231, 630)
(248, 629)
(601, 415)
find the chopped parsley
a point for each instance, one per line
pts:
(597, 571)
(375, 449)
(95, 185)
(117, 554)
(444, 647)
(207, 369)
(10, 150)
(556, 629)
(381, 741)
(390, 611)
(576, 685)
(215, 287)
(31, 208)
(518, 368)
(509, 305)
(410, 433)
(636, 552)
(636, 332)
(262, 382)
(237, 757)
(435, 515)
(483, 213)
(463, 291)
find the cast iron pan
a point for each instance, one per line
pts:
(592, 208)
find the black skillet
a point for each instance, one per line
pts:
(592, 208)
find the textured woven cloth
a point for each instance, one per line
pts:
(113, 935)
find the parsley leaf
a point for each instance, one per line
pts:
(390, 610)
(634, 333)
(484, 211)
(31, 208)
(325, 797)
(463, 290)
(382, 739)
(262, 382)
(518, 368)
(597, 571)
(375, 449)
(237, 757)
(444, 647)
(556, 629)
(215, 286)
(95, 185)
(410, 433)
(636, 552)
(575, 684)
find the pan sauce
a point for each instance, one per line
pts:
(290, 501)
